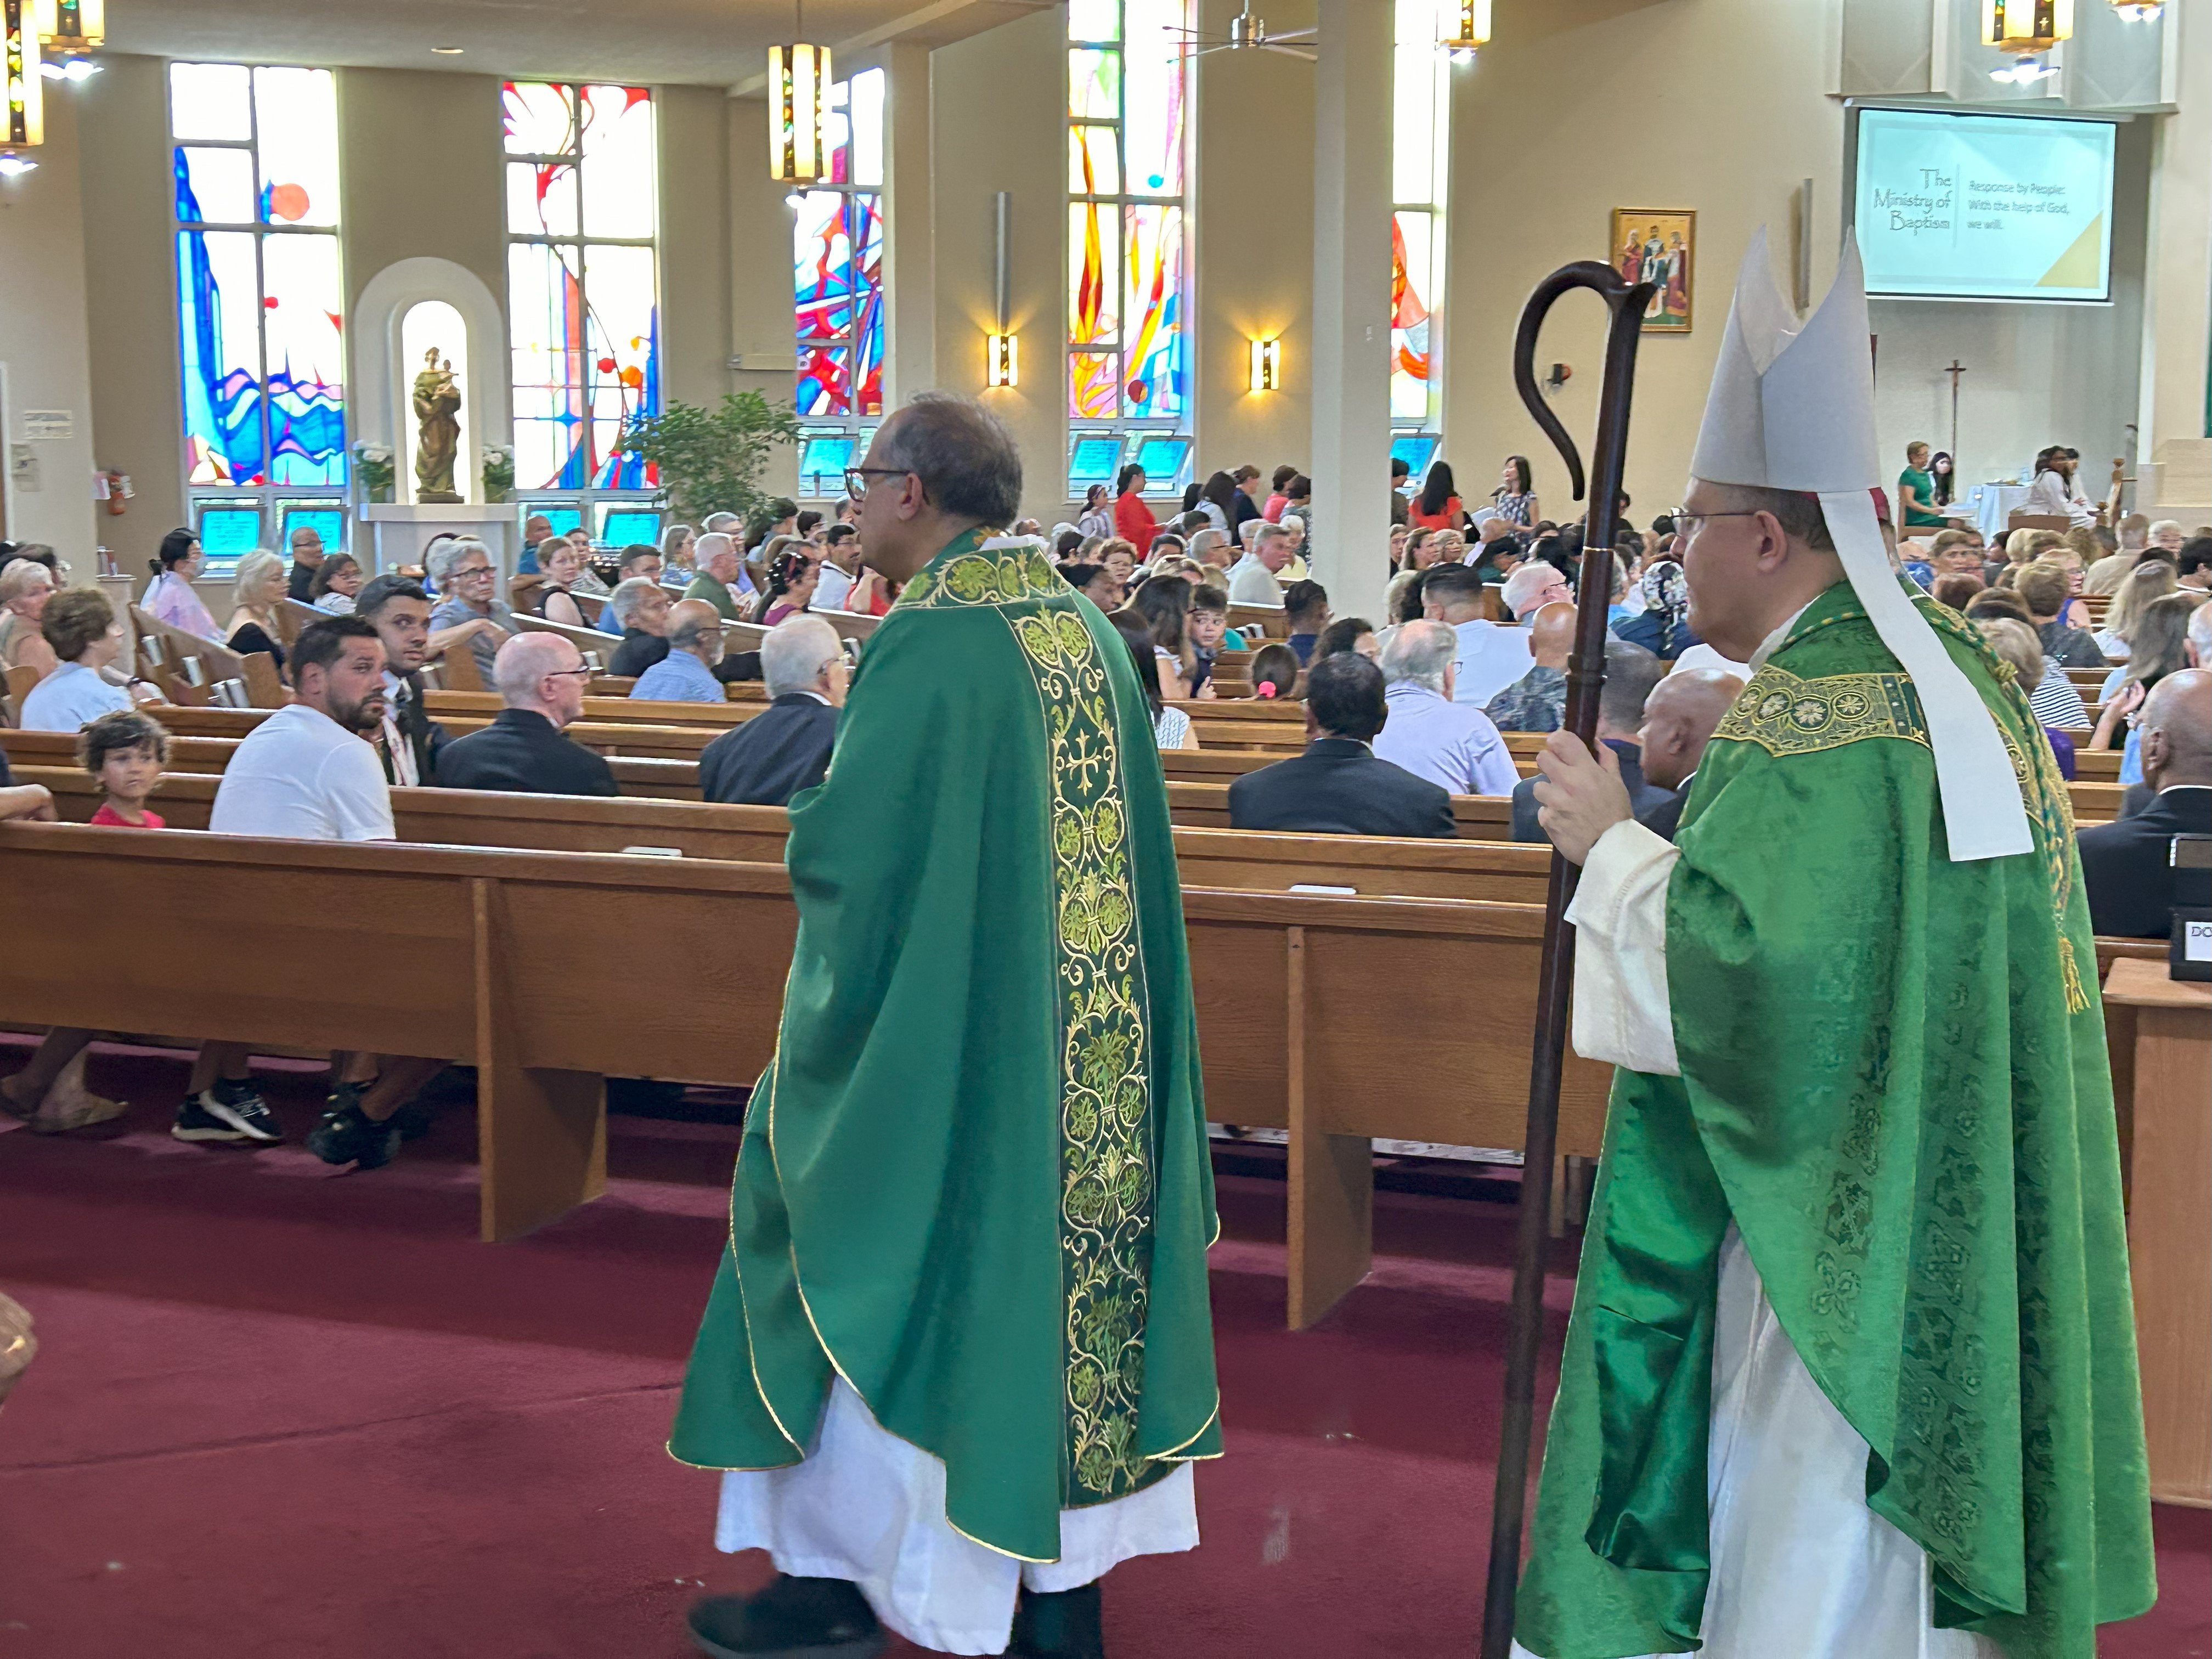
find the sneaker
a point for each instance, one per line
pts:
(195, 1123)
(239, 1105)
(345, 1134)
(792, 1619)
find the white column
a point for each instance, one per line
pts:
(1351, 467)
(2177, 348)
(909, 227)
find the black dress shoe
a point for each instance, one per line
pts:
(1064, 1625)
(792, 1619)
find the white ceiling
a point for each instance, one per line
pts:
(696, 42)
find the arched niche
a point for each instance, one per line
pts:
(384, 377)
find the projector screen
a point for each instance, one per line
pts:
(1983, 207)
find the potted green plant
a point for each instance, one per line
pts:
(710, 459)
(372, 466)
(498, 473)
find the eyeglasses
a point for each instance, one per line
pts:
(468, 572)
(564, 674)
(1686, 522)
(856, 477)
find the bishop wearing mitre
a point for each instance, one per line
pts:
(1852, 1371)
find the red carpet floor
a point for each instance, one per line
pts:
(282, 1414)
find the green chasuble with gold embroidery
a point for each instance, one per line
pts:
(973, 1180)
(1893, 1081)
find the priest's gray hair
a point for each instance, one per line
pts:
(963, 455)
(1799, 514)
(629, 594)
(1418, 652)
(795, 652)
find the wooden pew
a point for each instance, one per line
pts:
(598, 648)
(1271, 620)
(196, 672)
(745, 700)
(457, 954)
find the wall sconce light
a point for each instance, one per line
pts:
(2138, 11)
(1466, 24)
(1002, 360)
(1266, 364)
(2023, 30)
(22, 113)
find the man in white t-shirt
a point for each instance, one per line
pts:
(840, 568)
(309, 772)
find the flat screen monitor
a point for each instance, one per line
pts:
(822, 459)
(563, 516)
(624, 525)
(1951, 206)
(329, 523)
(1093, 458)
(229, 533)
(1163, 456)
(1416, 449)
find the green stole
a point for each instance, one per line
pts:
(1893, 1080)
(974, 1181)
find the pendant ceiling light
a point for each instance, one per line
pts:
(799, 83)
(22, 99)
(2024, 30)
(1465, 28)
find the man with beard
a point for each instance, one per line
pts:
(309, 772)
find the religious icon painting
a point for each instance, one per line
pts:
(1658, 245)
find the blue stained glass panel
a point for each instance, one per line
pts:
(219, 324)
(304, 329)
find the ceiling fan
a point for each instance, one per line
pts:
(1248, 32)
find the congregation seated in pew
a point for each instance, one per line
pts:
(1631, 673)
(82, 627)
(1491, 655)
(468, 599)
(685, 672)
(786, 747)
(1454, 745)
(1338, 786)
(2126, 864)
(540, 679)
(1537, 702)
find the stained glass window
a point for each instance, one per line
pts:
(260, 299)
(1420, 132)
(582, 281)
(1129, 346)
(837, 261)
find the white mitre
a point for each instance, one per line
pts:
(1793, 408)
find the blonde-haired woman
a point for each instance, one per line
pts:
(256, 588)
(25, 587)
(2153, 579)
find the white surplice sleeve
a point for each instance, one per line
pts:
(1620, 913)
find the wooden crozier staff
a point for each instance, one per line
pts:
(1585, 676)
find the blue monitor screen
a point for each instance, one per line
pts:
(1416, 449)
(1162, 459)
(1092, 457)
(229, 532)
(327, 522)
(625, 526)
(562, 519)
(824, 456)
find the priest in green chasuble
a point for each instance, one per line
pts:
(958, 1359)
(1852, 1371)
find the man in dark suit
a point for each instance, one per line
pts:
(399, 610)
(540, 678)
(1338, 788)
(2126, 864)
(785, 748)
(1631, 672)
(1679, 720)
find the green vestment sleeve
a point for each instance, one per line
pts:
(974, 1181)
(1893, 1081)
